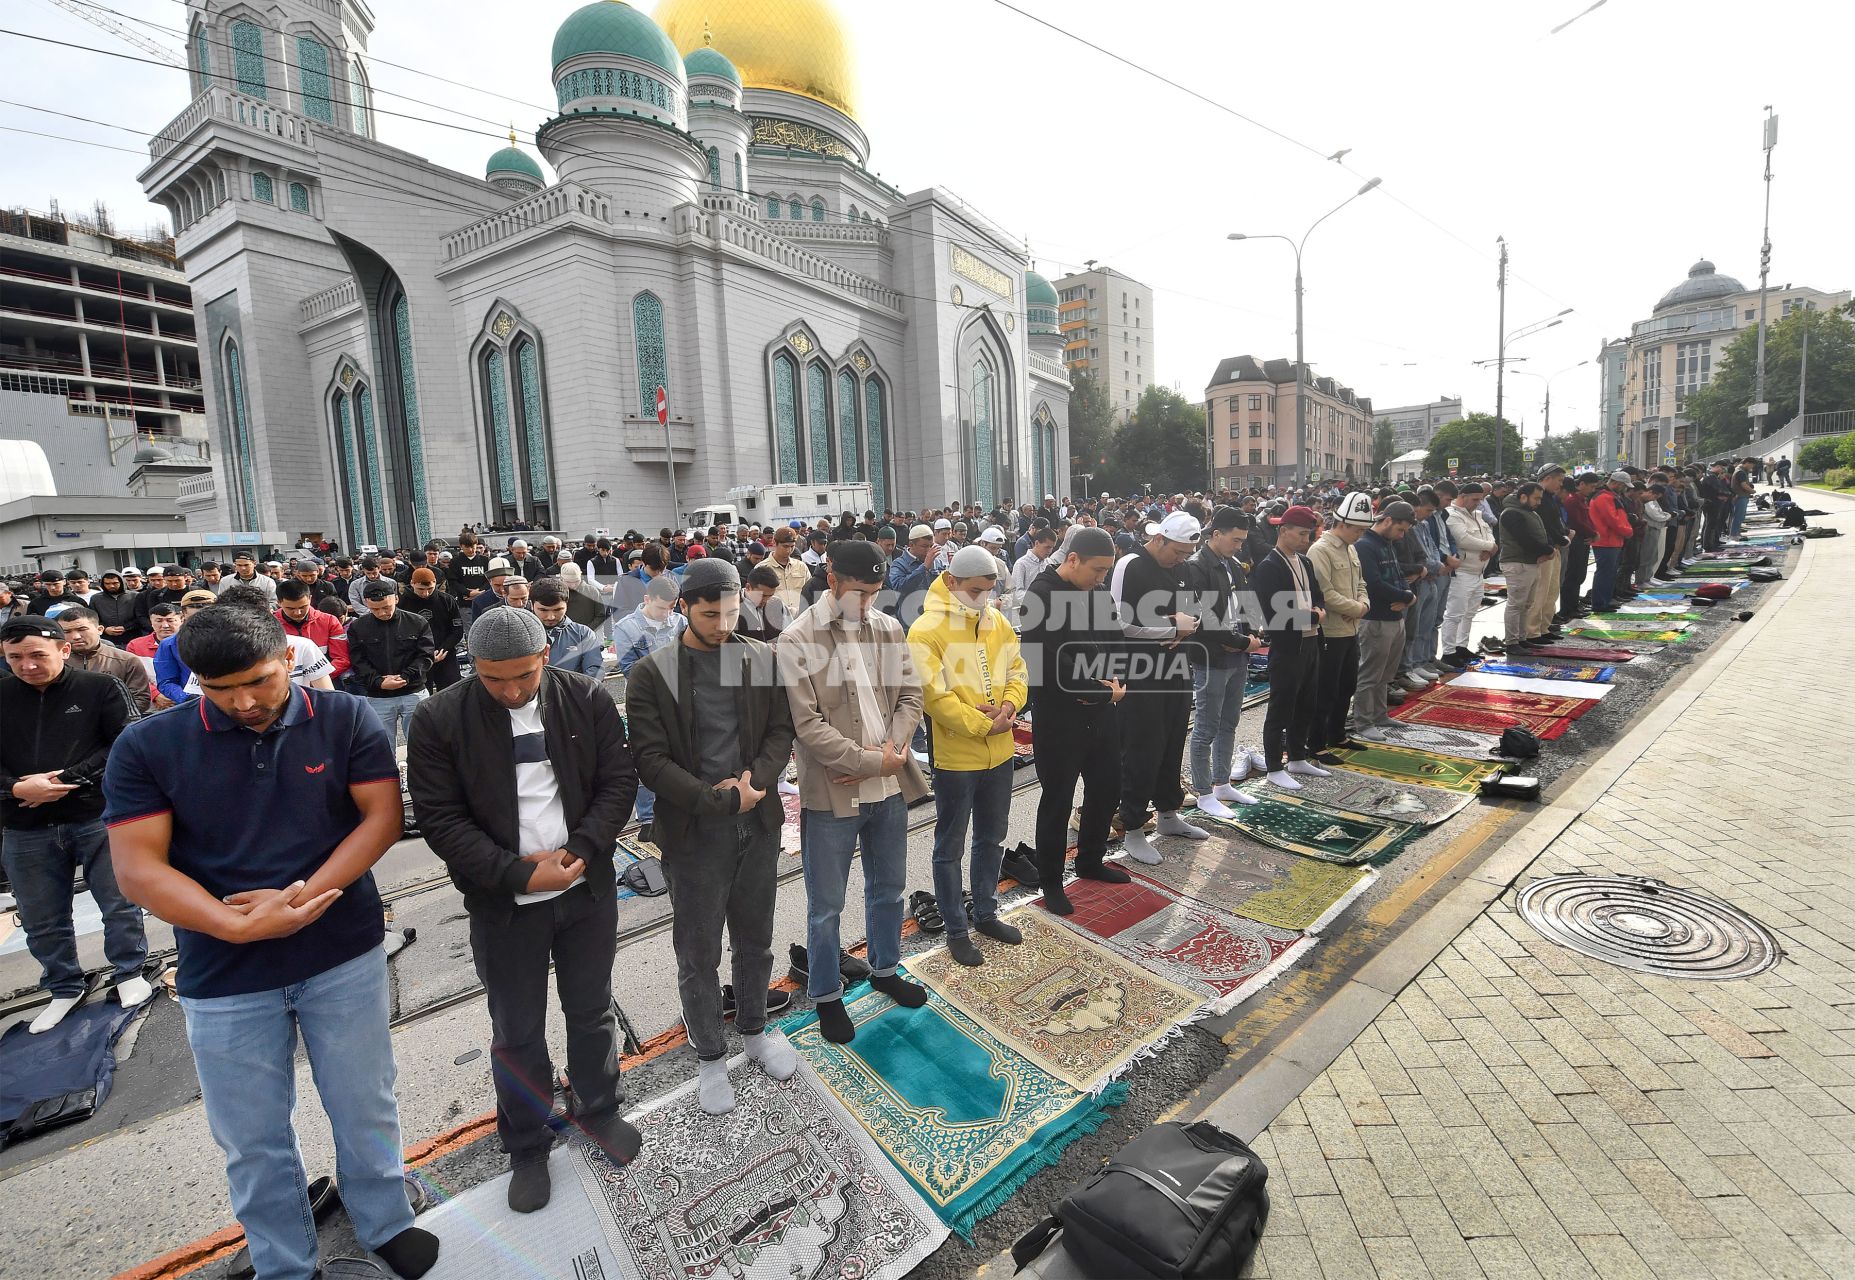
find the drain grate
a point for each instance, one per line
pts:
(1649, 926)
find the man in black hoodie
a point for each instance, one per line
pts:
(1215, 582)
(57, 724)
(1289, 597)
(116, 610)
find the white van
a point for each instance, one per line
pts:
(781, 503)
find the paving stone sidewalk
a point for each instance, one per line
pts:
(1522, 1111)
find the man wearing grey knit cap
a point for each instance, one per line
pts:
(522, 779)
(711, 729)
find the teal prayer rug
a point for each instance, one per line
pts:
(787, 1186)
(1316, 831)
(964, 1118)
(1255, 691)
(1548, 671)
(1380, 798)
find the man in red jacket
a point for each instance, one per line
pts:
(1576, 501)
(1611, 526)
(299, 617)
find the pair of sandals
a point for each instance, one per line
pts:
(924, 909)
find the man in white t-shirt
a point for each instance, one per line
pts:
(309, 666)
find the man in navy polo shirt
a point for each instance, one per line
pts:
(278, 924)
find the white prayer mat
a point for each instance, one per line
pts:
(1525, 684)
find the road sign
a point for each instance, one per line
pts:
(1454, 463)
(663, 408)
(1526, 455)
(1758, 410)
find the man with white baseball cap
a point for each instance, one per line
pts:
(1146, 586)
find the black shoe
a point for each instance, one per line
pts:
(965, 950)
(1327, 757)
(530, 1187)
(999, 931)
(1021, 865)
(778, 1000)
(849, 967)
(901, 990)
(1491, 645)
(644, 833)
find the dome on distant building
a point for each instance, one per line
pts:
(1040, 304)
(611, 26)
(707, 62)
(796, 46)
(511, 161)
(1700, 286)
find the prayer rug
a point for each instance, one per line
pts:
(1585, 651)
(1604, 622)
(1468, 743)
(1600, 633)
(77, 1057)
(1714, 570)
(1480, 720)
(1635, 615)
(481, 1238)
(1255, 690)
(1521, 684)
(1533, 704)
(1248, 878)
(1358, 793)
(789, 830)
(1547, 671)
(1315, 831)
(1023, 748)
(1226, 958)
(1400, 764)
(787, 1186)
(964, 1117)
(1068, 1004)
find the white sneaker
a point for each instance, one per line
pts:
(1308, 769)
(1281, 779)
(1171, 824)
(132, 992)
(1230, 795)
(788, 788)
(1240, 767)
(1212, 807)
(1139, 850)
(1257, 763)
(1371, 733)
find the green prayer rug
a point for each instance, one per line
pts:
(1316, 831)
(1255, 691)
(961, 1115)
(1258, 882)
(1401, 764)
(1642, 616)
(1381, 798)
(1609, 632)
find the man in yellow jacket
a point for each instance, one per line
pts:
(973, 684)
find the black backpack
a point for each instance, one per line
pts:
(1518, 741)
(1179, 1202)
(1763, 575)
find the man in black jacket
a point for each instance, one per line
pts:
(1289, 598)
(440, 609)
(1215, 582)
(469, 570)
(115, 608)
(711, 730)
(389, 656)
(57, 724)
(1073, 649)
(1525, 552)
(522, 779)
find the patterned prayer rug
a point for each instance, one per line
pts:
(1358, 793)
(787, 1186)
(789, 830)
(1267, 885)
(1485, 720)
(1586, 651)
(1255, 690)
(1400, 764)
(1068, 1004)
(1520, 684)
(1316, 831)
(1547, 671)
(1470, 744)
(1715, 570)
(1600, 633)
(1534, 704)
(1226, 958)
(964, 1117)
(1604, 622)
(1023, 746)
(1637, 615)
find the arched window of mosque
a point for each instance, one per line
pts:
(849, 447)
(373, 470)
(404, 371)
(740, 176)
(818, 420)
(202, 60)
(873, 405)
(817, 209)
(245, 468)
(262, 189)
(534, 426)
(772, 206)
(299, 197)
(786, 418)
(248, 59)
(348, 468)
(313, 80)
(502, 445)
(714, 169)
(653, 359)
(794, 209)
(357, 96)
(852, 215)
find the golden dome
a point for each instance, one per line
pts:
(797, 46)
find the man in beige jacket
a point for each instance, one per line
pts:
(856, 700)
(1342, 586)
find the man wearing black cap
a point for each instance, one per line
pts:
(1289, 596)
(711, 730)
(50, 593)
(1219, 656)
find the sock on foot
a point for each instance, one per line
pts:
(1055, 901)
(1095, 869)
(1306, 769)
(411, 1253)
(901, 990)
(54, 1013)
(530, 1187)
(1171, 824)
(835, 1023)
(1140, 850)
(999, 931)
(965, 951)
(131, 992)
(713, 1090)
(1213, 806)
(1281, 778)
(772, 1053)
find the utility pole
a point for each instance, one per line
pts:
(1500, 359)
(1764, 271)
(1803, 371)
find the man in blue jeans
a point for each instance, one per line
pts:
(973, 683)
(57, 724)
(278, 924)
(390, 653)
(855, 702)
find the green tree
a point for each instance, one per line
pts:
(1719, 408)
(1567, 448)
(1470, 441)
(1384, 445)
(1819, 455)
(1162, 444)
(1091, 424)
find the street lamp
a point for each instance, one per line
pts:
(1500, 360)
(1301, 412)
(1547, 379)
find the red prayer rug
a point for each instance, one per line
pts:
(1537, 704)
(1445, 715)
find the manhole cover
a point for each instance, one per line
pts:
(1649, 926)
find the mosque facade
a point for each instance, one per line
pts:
(391, 349)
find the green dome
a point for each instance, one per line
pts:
(610, 26)
(513, 160)
(707, 62)
(1038, 292)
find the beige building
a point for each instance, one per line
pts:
(1250, 414)
(1107, 323)
(1674, 352)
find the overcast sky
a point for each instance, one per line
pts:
(1611, 155)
